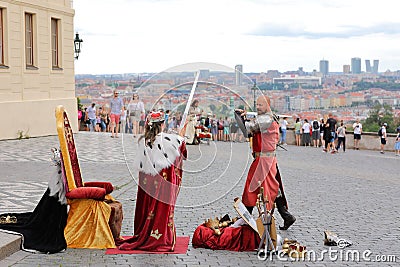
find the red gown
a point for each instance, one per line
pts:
(263, 169)
(160, 176)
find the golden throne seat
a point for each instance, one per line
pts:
(94, 217)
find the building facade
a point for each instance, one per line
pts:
(356, 65)
(238, 75)
(324, 67)
(371, 69)
(36, 66)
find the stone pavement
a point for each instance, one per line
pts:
(354, 194)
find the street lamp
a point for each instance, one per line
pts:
(77, 45)
(254, 88)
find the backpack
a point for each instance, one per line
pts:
(380, 131)
(315, 125)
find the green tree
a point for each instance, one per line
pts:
(78, 101)
(378, 115)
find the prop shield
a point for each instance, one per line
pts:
(245, 214)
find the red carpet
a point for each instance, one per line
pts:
(181, 246)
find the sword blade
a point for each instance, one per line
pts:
(185, 113)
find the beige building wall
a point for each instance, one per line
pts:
(29, 96)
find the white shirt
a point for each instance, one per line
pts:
(341, 131)
(123, 115)
(383, 132)
(306, 127)
(91, 113)
(357, 130)
(139, 106)
(284, 124)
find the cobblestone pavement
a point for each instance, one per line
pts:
(354, 194)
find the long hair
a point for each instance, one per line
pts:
(150, 132)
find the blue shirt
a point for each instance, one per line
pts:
(116, 105)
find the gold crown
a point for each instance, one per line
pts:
(8, 219)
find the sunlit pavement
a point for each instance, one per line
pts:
(354, 194)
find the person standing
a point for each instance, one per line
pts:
(332, 127)
(284, 124)
(357, 130)
(115, 113)
(397, 143)
(192, 121)
(383, 137)
(297, 131)
(233, 130)
(316, 132)
(306, 133)
(264, 170)
(321, 132)
(103, 118)
(91, 115)
(135, 111)
(341, 133)
(226, 123)
(123, 119)
(214, 128)
(159, 164)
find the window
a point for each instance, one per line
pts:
(29, 39)
(1, 38)
(54, 43)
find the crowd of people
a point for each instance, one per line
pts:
(117, 117)
(132, 116)
(330, 134)
(114, 118)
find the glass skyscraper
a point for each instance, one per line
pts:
(324, 66)
(356, 65)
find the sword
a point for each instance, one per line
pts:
(281, 147)
(185, 113)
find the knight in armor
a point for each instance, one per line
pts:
(264, 172)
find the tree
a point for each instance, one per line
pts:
(378, 115)
(78, 101)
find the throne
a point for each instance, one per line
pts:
(94, 217)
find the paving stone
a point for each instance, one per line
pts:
(354, 194)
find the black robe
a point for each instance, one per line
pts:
(43, 229)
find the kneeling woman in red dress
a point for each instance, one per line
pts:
(159, 163)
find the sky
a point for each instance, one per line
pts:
(138, 36)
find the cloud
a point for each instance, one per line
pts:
(344, 31)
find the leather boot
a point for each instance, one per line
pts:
(288, 219)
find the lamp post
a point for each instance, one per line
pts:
(77, 45)
(254, 88)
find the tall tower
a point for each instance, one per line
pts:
(346, 69)
(238, 74)
(356, 65)
(324, 66)
(368, 66)
(375, 66)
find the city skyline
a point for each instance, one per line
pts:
(137, 36)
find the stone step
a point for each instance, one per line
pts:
(9, 244)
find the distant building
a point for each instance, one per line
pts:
(302, 80)
(36, 66)
(204, 74)
(346, 69)
(368, 66)
(374, 68)
(238, 75)
(356, 65)
(324, 66)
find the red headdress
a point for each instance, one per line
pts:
(154, 117)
